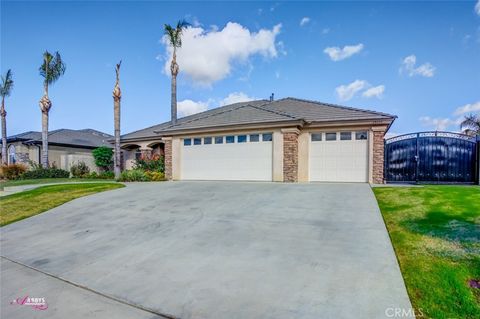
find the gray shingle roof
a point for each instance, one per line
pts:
(85, 137)
(263, 111)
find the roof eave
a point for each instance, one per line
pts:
(230, 127)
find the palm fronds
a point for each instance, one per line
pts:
(7, 84)
(471, 124)
(52, 67)
(175, 34)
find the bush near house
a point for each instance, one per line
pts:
(51, 172)
(102, 175)
(80, 170)
(150, 163)
(138, 175)
(12, 171)
(103, 158)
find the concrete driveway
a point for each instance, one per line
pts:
(206, 250)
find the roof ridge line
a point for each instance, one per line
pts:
(340, 106)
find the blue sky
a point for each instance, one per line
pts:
(420, 61)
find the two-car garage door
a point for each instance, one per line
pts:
(333, 157)
(231, 157)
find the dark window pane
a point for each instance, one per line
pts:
(138, 155)
(230, 139)
(197, 141)
(361, 135)
(241, 138)
(187, 141)
(331, 136)
(218, 139)
(267, 137)
(254, 137)
(345, 136)
(316, 137)
(207, 140)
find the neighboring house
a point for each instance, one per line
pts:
(287, 140)
(65, 147)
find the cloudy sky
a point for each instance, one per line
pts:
(420, 61)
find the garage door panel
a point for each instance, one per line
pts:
(339, 161)
(235, 161)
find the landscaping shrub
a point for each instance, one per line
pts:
(103, 158)
(155, 176)
(133, 175)
(50, 172)
(80, 170)
(12, 171)
(150, 163)
(106, 175)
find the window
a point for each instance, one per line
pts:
(361, 135)
(230, 139)
(241, 138)
(345, 136)
(197, 141)
(330, 136)
(267, 137)
(12, 157)
(218, 139)
(187, 142)
(254, 137)
(316, 137)
(207, 140)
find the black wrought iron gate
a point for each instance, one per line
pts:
(439, 157)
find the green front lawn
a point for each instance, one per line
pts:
(435, 231)
(47, 181)
(29, 203)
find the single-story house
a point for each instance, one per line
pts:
(65, 147)
(286, 140)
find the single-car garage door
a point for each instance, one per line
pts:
(229, 157)
(339, 156)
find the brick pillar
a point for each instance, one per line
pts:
(290, 155)
(168, 159)
(378, 157)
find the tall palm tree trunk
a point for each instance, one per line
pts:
(45, 105)
(174, 70)
(117, 96)
(3, 114)
(117, 158)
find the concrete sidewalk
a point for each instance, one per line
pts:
(64, 300)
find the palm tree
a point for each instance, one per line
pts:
(471, 124)
(117, 96)
(51, 69)
(5, 90)
(174, 36)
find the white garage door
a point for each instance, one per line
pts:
(232, 157)
(339, 157)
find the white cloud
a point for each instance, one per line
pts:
(346, 92)
(477, 7)
(453, 122)
(304, 21)
(376, 91)
(189, 107)
(236, 97)
(207, 56)
(438, 124)
(468, 108)
(408, 66)
(338, 54)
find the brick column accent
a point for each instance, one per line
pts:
(378, 157)
(290, 155)
(168, 158)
